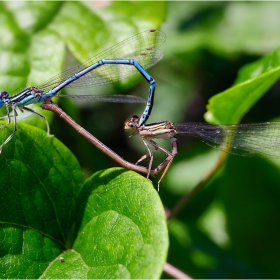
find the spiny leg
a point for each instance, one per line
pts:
(150, 153)
(170, 157)
(15, 123)
(7, 116)
(145, 156)
(41, 116)
(156, 146)
(15, 127)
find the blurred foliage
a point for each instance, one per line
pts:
(224, 52)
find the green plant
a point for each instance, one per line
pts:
(222, 218)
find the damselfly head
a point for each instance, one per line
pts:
(3, 96)
(131, 124)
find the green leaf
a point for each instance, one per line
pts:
(116, 219)
(123, 232)
(251, 84)
(40, 181)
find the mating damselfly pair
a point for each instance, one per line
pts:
(123, 60)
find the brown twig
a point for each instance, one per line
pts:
(50, 106)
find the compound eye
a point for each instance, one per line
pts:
(4, 94)
(134, 120)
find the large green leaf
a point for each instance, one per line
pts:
(40, 182)
(251, 84)
(123, 232)
(112, 226)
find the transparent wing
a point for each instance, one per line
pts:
(142, 47)
(248, 140)
(117, 98)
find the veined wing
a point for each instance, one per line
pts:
(117, 98)
(142, 47)
(248, 140)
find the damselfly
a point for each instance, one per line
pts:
(121, 61)
(49, 105)
(248, 140)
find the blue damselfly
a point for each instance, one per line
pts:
(121, 61)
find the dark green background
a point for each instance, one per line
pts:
(231, 228)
